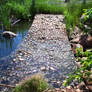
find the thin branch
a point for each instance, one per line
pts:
(8, 86)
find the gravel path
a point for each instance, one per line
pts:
(45, 50)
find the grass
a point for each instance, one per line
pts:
(4, 15)
(25, 9)
(72, 12)
(34, 84)
(20, 9)
(46, 7)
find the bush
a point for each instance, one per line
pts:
(72, 12)
(35, 84)
(17, 8)
(4, 14)
(84, 72)
(87, 14)
(87, 19)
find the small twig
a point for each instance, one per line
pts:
(8, 86)
(16, 21)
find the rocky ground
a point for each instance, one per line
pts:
(78, 39)
(45, 49)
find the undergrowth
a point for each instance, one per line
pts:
(87, 19)
(25, 9)
(84, 72)
(34, 84)
(72, 12)
(20, 10)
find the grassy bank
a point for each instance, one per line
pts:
(72, 12)
(24, 9)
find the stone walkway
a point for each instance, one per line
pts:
(45, 50)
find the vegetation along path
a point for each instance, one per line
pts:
(45, 49)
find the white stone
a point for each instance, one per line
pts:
(43, 68)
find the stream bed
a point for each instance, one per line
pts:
(9, 45)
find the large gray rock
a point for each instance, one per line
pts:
(8, 34)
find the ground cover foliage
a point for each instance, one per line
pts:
(84, 72)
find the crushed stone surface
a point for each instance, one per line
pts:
(45, 49)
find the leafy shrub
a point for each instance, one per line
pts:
(72, 12)
(35, 84)
(87, 19)
(84, 72)
(87, 53)
(79, 52)
(4, 14)
(20, 10)
(87, 14)
(17, 9)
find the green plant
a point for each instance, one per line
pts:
(72, 12)
(20, 10)
(79, 52)
(86, 20)
(87, 14)
(87, 53)
(4, 14)
(84, 72)
(35, 84)
(24, 9)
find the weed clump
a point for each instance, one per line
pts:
(34, 84)
(84, 72)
